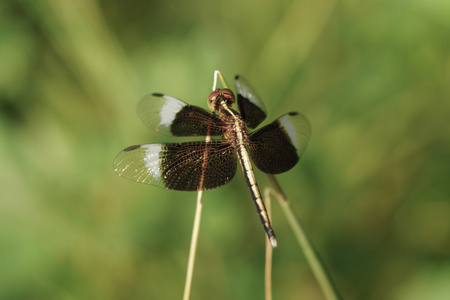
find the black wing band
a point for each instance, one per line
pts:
(277, 147)
(179, 166)
(250, 107)
(171, 116)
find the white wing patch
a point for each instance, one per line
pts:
(247, 94)
(169, 110)
(151, 159)
(284, 120)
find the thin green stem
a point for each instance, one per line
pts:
(313, 258)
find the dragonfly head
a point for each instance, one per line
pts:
(220, 97)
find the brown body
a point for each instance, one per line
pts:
(237, 134)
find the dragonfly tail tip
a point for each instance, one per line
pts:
(273, 241)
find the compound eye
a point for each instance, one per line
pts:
(228, 96)
(212, 100)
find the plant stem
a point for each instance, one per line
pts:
(269, 253)
(313, 258)
(193, 249)
(198, 210)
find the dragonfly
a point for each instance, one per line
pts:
(202, 165)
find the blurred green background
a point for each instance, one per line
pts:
(372, 189)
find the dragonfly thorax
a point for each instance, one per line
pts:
(236, 132)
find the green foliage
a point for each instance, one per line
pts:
(372, 188)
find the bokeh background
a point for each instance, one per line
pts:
(372, 189)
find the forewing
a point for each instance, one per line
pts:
(179, 166)
(171, 116)
(250, 107)
(277, 147)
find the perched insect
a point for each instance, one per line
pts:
(194, 166)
